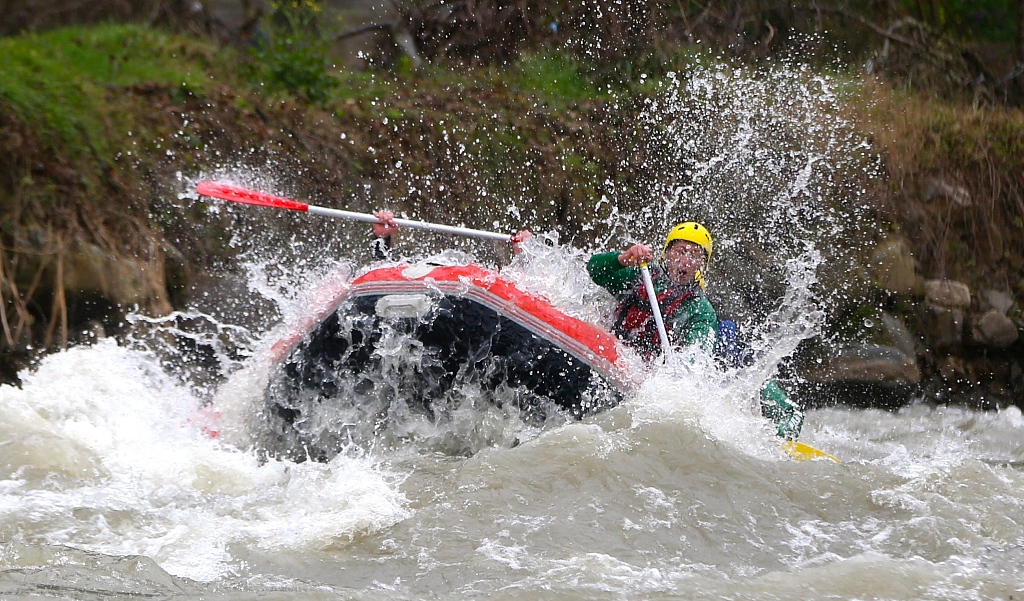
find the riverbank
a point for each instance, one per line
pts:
(101, 129)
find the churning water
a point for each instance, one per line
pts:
(119, 477)
(111, 485)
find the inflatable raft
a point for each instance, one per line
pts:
(407, 338)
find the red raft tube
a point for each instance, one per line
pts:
(416, 332)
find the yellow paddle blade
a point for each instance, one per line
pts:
(803, 452)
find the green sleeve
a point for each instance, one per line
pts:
(606, 271)
(776, 406)
(696, 324)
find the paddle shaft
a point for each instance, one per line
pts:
(242, 195)
(652, 296)
(420, 225)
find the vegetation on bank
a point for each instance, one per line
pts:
(95, 123)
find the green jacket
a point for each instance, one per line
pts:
(694, 323)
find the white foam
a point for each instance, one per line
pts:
(138, 477)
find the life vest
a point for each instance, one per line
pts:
(731, 350)
(634, 322)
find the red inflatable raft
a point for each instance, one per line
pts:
(415, 332)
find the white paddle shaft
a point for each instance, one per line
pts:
(656, 310)
(422, 225)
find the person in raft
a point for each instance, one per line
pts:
(679, 283)
(689, 318)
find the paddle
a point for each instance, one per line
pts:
(652, 296)
(803, 452)
(237, 194)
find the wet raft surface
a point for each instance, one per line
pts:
(358, 368)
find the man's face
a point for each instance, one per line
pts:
(683, 259)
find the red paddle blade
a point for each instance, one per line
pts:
(251, 197)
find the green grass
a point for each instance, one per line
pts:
(365, 85)
(548, 79)
(59, 82)
(554, 80)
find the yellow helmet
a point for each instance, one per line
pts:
(691, 231)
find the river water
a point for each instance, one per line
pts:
(111, 487)
(119, 477)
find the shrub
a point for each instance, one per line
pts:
(292, 54)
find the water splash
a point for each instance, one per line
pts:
(558, 273)
(105, 452)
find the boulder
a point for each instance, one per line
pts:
(994, 330)
(85, 272)
(869, 324)
(177, 274)
(942, 326)
(947, 293)
(898, 334)
(998, 299)
(875, 367)
(870, 363)
(125, 281)
(864, 375)
(894, 269)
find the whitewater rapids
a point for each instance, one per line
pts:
(111, 486)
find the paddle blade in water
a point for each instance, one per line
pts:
(803, 452)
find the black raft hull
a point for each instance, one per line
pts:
(413, 344)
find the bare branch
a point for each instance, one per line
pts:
(350, 33)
